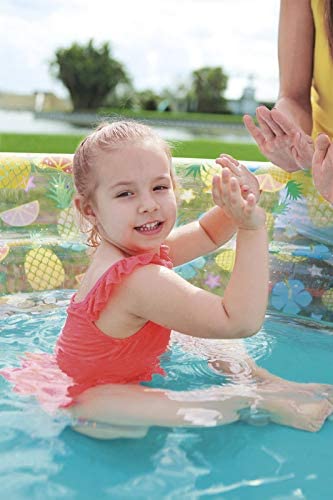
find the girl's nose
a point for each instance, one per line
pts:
(148, 204)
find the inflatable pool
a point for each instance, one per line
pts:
(42, 259)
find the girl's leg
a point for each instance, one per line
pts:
(114, 410)
(301, 409)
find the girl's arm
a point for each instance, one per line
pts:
(160, 295)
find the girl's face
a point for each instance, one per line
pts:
(134, 201)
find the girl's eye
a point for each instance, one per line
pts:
(160, 188)
(125, 194)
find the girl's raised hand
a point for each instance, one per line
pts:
(280, 140)
(248, 182)
(226, 193)
(322, 168)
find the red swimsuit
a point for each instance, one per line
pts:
(86, 356)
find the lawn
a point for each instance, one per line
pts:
(200, 148)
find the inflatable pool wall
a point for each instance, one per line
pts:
(41, 247)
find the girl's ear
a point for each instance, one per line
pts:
(85, 208)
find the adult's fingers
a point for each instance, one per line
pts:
(253, 130)
(322, 142)
(305, 150)
(328, 172)
(322, 171)
(265, 129)
(321, 148)
(269, 126)
(286, 125)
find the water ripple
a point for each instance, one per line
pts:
(212, 358)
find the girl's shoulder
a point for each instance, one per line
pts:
(105, 274)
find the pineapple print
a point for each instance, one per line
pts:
(269, 200)
(279, 205)
(67, 226)
(319, 210)
(43, 269)
(226, 260)
(14, 172)
(207, 171)
(286, 257)
(61, 190)
(327, 299)
(277, 173)
(304, 179)
(270, 224)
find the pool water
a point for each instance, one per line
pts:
(41, 457)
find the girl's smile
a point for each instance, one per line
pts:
(150, 228)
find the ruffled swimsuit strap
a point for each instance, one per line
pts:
(98, 297)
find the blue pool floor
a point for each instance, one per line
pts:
(41, 457)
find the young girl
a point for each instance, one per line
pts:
(120, 319)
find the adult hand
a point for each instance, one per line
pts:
(280, 140)
(322, 167)
(247, 181)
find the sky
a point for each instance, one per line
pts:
(160, 42)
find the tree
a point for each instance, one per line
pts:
(208, 86)
(122, 97)
(148, 100)
(89, 73)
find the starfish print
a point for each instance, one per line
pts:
(187, 195)
(315, 271)
(213, 280)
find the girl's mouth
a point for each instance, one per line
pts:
(150, 228)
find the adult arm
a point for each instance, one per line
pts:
(295, 52)
(283, 133)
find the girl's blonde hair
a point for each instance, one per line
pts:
(109, 137)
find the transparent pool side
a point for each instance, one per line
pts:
(41, 247)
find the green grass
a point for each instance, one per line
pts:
(40, 143)
(211, 149)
